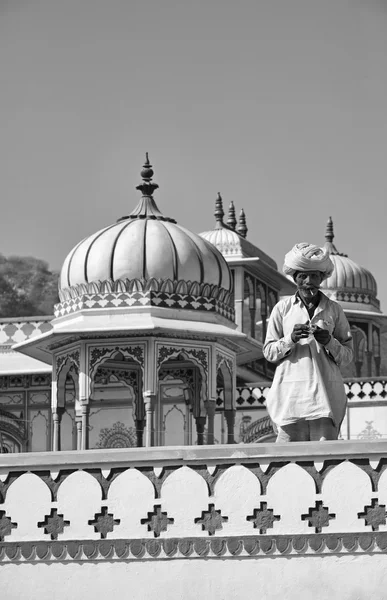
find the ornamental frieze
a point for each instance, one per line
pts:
(192, 547)
(166, 352)
(99, 352)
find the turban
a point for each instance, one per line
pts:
(307, 257)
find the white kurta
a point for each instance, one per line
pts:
(307, 382)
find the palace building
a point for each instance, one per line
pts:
(157, 340)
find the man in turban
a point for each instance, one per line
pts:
(309, 338)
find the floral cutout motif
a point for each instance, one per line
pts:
(318, 517)
(374, 515)
(104, 522)
(6, 525)
(157, 521)
(369, 432)
(54, 524)
(211, 520)
(263, 518)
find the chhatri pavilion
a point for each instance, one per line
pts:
(157, 340)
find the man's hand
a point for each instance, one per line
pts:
(300, 331)
(322, 336)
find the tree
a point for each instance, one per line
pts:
(27, 287)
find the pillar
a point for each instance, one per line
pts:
(210, 406)
(369, 362)
(200, 425)
(55, 436)
(230, 420)
(78, 422)
(85, 427)
(140, 424)
(149, 401)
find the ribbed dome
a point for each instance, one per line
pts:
(142, 246)
(349, 276)
(349, 281)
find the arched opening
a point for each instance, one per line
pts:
(116, 418)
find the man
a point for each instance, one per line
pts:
(309, 338)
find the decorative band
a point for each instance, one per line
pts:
(175, 548)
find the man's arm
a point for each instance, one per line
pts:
(340, 346)
(276, 346)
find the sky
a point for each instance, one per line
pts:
(279, 105)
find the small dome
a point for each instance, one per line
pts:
(145, 245)
(230, 237)
(349, 281)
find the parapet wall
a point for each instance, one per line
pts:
(228, 509)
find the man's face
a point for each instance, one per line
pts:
(308, 283)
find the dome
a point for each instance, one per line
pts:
(145, 251)
(349, 282)
(230, 238)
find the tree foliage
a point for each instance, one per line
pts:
(27, 287)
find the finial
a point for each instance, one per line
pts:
(219, 213)
(242, 227)
(147, 187)
(329, 235)
(231, 221)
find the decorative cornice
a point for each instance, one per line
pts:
(147, 288)
(193, 547)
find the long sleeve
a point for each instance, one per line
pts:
(276, 346)
(340, 346)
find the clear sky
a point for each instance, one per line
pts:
(280, 105)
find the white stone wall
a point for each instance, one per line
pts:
(226, 522)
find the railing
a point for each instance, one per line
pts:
(372, 389)
(313, 512)
(20, 329)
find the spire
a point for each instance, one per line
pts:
(231, 220)
(242, 227)
(147, 207)
(329, 235)
(219, 212)
(147, 187)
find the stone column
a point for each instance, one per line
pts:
(369, 354)
(230, 420)
(85, 427)
(377, 361)
(78, 422)
(55, 436)
(149, 401)
(239, 296)
(210, 406)
(140, 424)
(200, 425)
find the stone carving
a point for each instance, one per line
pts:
(128, 376)
(369, 432)
(157, 521)
(117, 436)
(318, 517)
(146, 292)
(6, 525)
(186, 375)
(374, 515)
(74, 357)
(54, 524)
(166, 352)
(135, 352)
(211, 520)
(263, 518)
(173, 548)
(104, 522)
